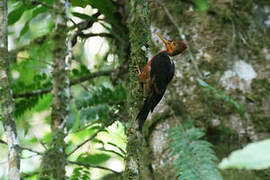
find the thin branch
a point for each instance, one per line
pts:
(39, 40)
(31, 150)
(82, 26)
(90, 76)
(108, 35)
(3, 142)
(92, 166)
(87, 140)
(23, 148)
(37, 2)
(37, 92)
(72, 82)
(106, 124)
(181, 35)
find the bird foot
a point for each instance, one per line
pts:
(138, 68)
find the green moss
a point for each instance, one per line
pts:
(224, 140)
(262, 122)
(213, 66)
(240, 175)
(54, 159)
(260, 90)
(216, 104)
(139, 36)
(52, 165)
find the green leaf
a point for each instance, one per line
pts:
(75, 72)
(35, 12)
(82, 16)
(16, 14)
(22, 105)
(105, 7)
(253, 156)
(194, 157)
(84, 69)
(202, 5)
(80, 3)
(122, 151)
(93, 158)
(25, 28)
(111, 151)
(71, 120)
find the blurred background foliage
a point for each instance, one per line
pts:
(98, 77)
(97, 102)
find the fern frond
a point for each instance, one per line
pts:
(195, 160)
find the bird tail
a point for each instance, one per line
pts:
(141, 117)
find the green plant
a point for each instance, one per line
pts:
(195, 160)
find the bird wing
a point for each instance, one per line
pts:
(161, 73)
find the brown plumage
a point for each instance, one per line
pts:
(156, 75)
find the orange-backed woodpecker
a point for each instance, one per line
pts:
(156, 75)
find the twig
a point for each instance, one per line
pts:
(82, 35)
(31, 150)
(87, 140)
(183, 37)
(87, 165)
(82, 26)
(33, 93)
(90, 76)
(23, 148)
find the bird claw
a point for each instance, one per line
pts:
(138, 68)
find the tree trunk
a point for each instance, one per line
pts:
(54, 160)
(6, 99)
(137, 162)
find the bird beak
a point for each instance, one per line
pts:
(165, 41)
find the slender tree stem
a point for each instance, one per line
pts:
(92, 166)
(54, 160)
(6, 99)
(23, 148)
(87, 140)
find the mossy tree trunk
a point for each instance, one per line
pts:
(6, 100)
(137, 162)
(54, 159)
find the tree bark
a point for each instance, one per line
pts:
(138, 154)
(54, 160)
(6, 99)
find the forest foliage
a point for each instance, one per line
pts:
(98, 112)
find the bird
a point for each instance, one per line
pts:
(156, 75)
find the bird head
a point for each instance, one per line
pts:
(174, 47)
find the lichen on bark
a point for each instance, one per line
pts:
(6, 100)
(137, 161)
(54, 160)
